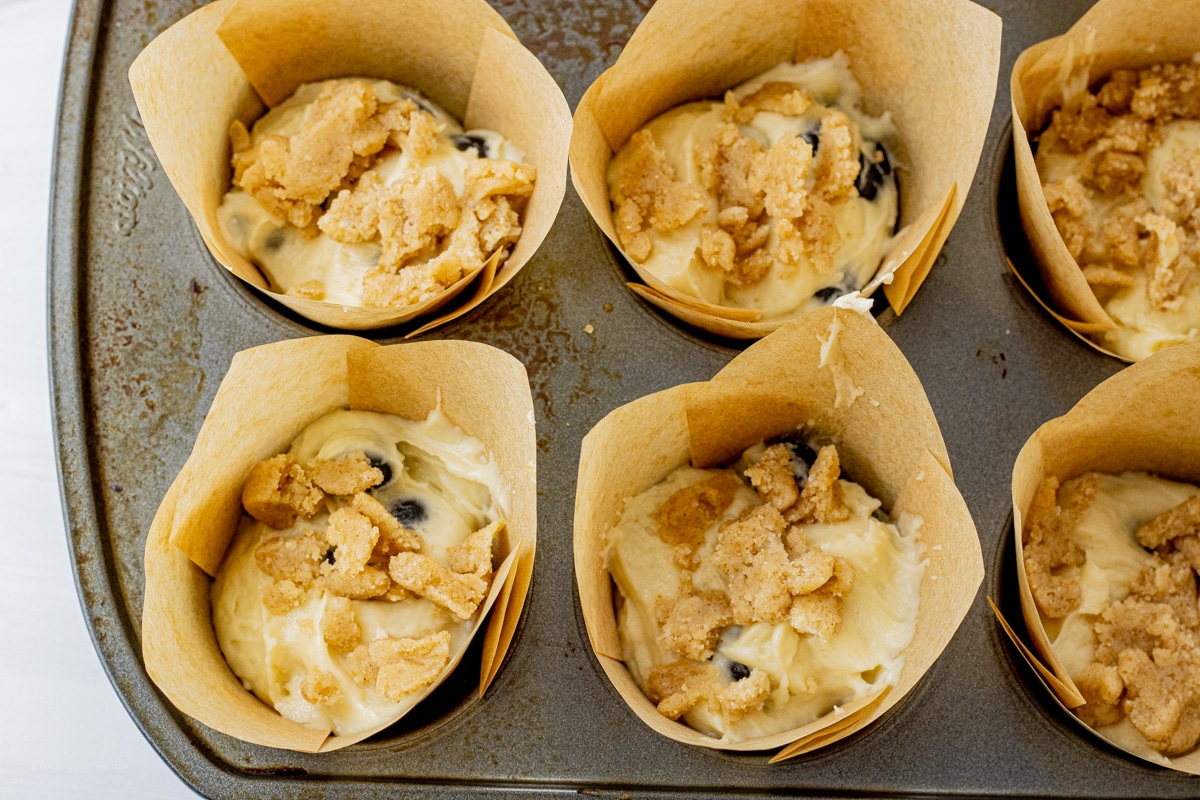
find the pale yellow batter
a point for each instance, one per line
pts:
(808, 675)
(780, 283)
(311, 262)
(441, 483)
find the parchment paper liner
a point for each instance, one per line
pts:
(889, 442)
(268, 396)
(1141, 419)
(1113, 34)
(932, 63)
(214, 65)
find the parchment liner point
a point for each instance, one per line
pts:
(233, 58)
(268, 396)
(1141, 419)
(906, 54)
(888, 439)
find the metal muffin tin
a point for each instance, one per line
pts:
(143, 324)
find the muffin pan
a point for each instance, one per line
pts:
(143, 324)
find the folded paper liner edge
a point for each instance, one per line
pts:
(483, 390)
(1112, 34)
(192, 80)
(892, 51)
(756, 396)
(1130, 422)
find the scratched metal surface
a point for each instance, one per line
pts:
(142, 327)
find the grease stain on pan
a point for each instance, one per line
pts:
(146, 379)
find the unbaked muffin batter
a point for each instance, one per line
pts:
(752, 608)
(361, 569)
(366, 193)
(1111, 562)
(779, 199)
(1120, 169)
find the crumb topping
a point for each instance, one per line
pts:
(746, 695)
(278, 490)
(761, 568)
(325, 179)
(321, 687)
(339, 625)
(1147, 656)
(1102, 211)
(457, 592)
(362, 553)
(1051, 556)
(679, 687)
(403, 666)
(687, 514)
(651, 198)
(691, 625)
(347, 475)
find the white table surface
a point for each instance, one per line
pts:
(63, 731)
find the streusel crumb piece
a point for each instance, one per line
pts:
(408, 665)
(679, 687)
(651, 198)
(821, 500)
(393, 537)
(353, 537)
(350, 474)
(1049, 545)
(292, 558)
(339, 625)
(691, 625)
(278, 490)
(474, 555)
(745, 696)
(687, 514)
(321, 687)
(421, 575)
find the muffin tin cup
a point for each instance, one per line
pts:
(909, 57)
(833, 372)
(234, 58)
(1137, 420)
(268, 396)
(1114, 34)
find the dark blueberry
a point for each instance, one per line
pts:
(828, 294)
(813, 138)
(468, 141)
(738, 670)
(408, 512)
(329, 556)
(381, 465)
(274, 239)
(803, 456)
(871, 173)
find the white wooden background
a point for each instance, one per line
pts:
(63, 731)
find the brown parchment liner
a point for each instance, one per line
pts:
(888, 440)
(1113, 34)
(233, 58)
(1141, 419)
(268, 396)
(932, 63)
